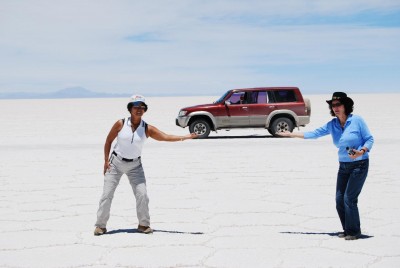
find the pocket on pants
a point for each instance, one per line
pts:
(360, 168)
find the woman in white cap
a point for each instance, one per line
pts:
(352, 137)
(131, 133)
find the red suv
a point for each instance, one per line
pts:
(274, 108)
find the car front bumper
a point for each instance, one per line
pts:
(303, 120)
(182, 121)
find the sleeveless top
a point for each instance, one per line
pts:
(129, 144)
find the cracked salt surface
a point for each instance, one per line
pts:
(245, 201)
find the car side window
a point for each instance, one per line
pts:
(253, 97)
(237, 98)
(285, 96)
(258, 97)
(262, 97)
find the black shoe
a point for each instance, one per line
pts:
(342, 235)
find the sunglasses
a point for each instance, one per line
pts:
(338, 104)
(139, 106)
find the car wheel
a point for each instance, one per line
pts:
(201, 128)
(281, 124)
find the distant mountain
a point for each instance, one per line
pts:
(67, 93)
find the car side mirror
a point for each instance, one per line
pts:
(228, 102)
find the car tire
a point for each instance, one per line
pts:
(201, 128)
(280, 125)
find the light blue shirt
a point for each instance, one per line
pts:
(355, 134)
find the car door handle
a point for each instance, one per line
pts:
(245, 107)
(271, 107)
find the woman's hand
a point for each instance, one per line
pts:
(190, 136)
(291, 134)
(357, 153)
(106, 166)
(284, 134)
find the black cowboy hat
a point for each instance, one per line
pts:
(340, 96)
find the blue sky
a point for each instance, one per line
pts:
(199, 47)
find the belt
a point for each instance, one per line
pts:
(124, 159)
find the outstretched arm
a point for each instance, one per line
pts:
(157, 134)
(291, 134)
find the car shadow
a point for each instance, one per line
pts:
(335, 234)
(136, 231)
(241, 137)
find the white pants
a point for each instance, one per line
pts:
(135, 173)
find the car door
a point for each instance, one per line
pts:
(262, 105)
(237, 110)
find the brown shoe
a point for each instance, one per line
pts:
(100, 231)
(144, 229)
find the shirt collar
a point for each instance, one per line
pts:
(348, 120)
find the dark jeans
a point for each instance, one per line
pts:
(350, 180)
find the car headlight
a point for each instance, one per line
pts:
(182, 113)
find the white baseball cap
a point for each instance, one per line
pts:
(137, 98)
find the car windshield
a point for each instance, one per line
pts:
(222, 97)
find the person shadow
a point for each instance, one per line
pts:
(136, 231)
(334, 234)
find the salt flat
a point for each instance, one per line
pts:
(238, 199)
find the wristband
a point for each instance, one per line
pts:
(362, 149)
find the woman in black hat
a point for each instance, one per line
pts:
(352, 137)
